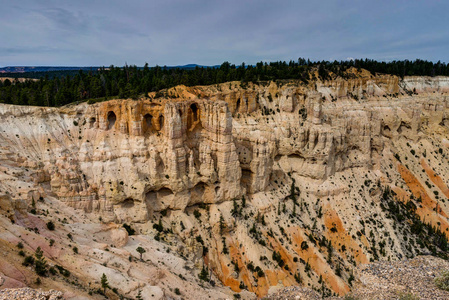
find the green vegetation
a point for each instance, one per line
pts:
(159, 227)
(197, 214)
(425, 235)
(141, 251)
(62, 271)
(129, 229)
(277, 257)
(50, 225)
(104, 282)
(28, 260)
(204, 274)
(222, 225)
(132, 82)
(139, 295)
(442, 281)
(408, 296)
(40, 265)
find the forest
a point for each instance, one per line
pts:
(64, 87)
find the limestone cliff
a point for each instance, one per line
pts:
(244, 176)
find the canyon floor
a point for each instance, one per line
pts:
(329, 188)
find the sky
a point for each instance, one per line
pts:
(208, 32)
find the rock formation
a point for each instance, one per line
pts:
(243, 176)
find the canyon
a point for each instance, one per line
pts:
(260, 185)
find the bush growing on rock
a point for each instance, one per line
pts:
(129, 229)
(28, 260)
(442, 281)
(64, 272)
(50, 225)
(159, 226)
(52, 270)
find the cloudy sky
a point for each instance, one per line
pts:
(208, 32)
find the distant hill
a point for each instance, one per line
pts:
(191, 66)
(26, 69)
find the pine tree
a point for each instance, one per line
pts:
(222, 224)
(40, 265)
(104, 282)
(235, 209)
(141, 251)
(204, 274)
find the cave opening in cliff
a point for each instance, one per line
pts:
(158, 200)
(128, 203)
(404, 128)
(194, 109)
(148, 118)
(246, 179)
(386, 131)
(196, 194)
(161, 122)
(237, 105)
(111, 119)
(92, 122)
(193, 117)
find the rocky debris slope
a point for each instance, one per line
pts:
(252, 186)
(29, 294)
(387, 280)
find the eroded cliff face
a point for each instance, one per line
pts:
(127, 159)
(246, 176)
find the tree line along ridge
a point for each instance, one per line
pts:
(64, 87)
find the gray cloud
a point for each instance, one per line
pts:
(209, 32)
